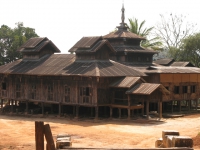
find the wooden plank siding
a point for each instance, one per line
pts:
(171, 81)
(26, 88)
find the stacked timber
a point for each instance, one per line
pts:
(63, 141)
(171, 138)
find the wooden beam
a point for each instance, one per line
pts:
(111, 111)
(143, 106)
(119, 109)
(39, 135)
(49, 137)
(189, 105)
(172, 107)
(12, 103)
(42, 108)
(2, 103)
(196, 104)
(147, 109)
(129, 114)
(96, 112)
(59, 109)
(160, 109)
(26, 107)
(77, 112)
(91, 111)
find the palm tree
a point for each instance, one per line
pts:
(137, 28)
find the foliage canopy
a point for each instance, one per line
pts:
(12, 39)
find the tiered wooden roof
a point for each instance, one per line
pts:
(90, 44)
(67, 65)
(37, 44)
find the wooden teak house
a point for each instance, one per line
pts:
(103, 76)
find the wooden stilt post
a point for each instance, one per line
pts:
(59, 109)
(74, 110)
(12, 103)
(26, 107)
(129, 113)
(49, 137)
(39, 135)
(133, 112)
(196, 104)
(2, 103)
(77, 112)
(129, 109)
(179, 106)
(42, 108)
(51, 108)
(111, 112)
(160, 109)
(105, 111)
(189, 105)
(147, 109)
(92, 113)
(119, 109)
(96, 112)
(172, 106)
(143, 107)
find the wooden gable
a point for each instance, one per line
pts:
(37, 47)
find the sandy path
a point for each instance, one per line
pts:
(18, 132)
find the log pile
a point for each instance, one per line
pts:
(171, 138)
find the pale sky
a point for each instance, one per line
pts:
(64, 22)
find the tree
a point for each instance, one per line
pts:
(137, 28)
(12, 39)
(172, 31)
(190, 50)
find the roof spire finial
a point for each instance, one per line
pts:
(123, 16)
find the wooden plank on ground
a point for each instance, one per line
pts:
(49, 137)
(39, 135)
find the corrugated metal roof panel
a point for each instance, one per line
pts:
(126, 82)
(182, 64)
(143, 89)
(134, 49)
(85, 43)
(165, 69)
(95, 47)
(123, 34)
(32, 42)
(65, 64)
(164, 61)
(36, 44)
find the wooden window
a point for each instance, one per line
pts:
(139, 59)
(193, 89)
(185, 89)
(147, 58)
(176, 89)
(50, 92)
(33, 91)
(67, 93)
(85, 92)
(18, 90)
(3, 85)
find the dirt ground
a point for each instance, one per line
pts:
(18, 132)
